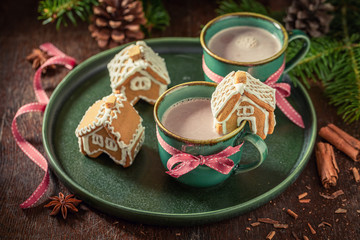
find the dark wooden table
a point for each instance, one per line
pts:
(20, 32)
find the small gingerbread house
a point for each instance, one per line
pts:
(241, 97)
(139, 73)
(112, 126)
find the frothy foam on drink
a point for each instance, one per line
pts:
(191, 118)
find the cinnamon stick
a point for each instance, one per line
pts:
(326, 164)
(342, 141)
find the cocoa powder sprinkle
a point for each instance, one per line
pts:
(295, 236)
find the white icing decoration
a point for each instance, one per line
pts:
(97, 140)
(86, 145)
(244, 111)
(101, 116)
(240, 87)
(140, 83)
(104, 118)
(129, 67)
(223, 92)
(111, 144)
(253, 122)
(262, 91)
(162, 89)
(227, 89)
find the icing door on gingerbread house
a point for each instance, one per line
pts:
(139, 73)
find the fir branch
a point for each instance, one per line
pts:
(156, 15)
(60, 10)
(230, 6)
(336, 63)
(352, 16)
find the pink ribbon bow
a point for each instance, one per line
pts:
(58, 58)
(283, 90)
(185, 162)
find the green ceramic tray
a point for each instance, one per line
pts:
(143, 192)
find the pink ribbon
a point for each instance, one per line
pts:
(185, 162)
(58, 58)
(283, 90)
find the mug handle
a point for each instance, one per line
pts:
(259, 144)
(293, 35)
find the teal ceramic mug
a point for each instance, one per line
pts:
(172, 146)
(216, 67)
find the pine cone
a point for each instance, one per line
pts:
(311, 16)
(116, 22)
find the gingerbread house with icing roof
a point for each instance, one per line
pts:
(112, 126)
(139, 73)
(241, 97)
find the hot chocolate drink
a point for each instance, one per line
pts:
(191, 118)
(244, 44)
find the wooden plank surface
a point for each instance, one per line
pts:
(20, 32)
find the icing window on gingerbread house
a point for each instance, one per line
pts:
(245, 111)
(98, 140)
(140, 83)
(111, 144)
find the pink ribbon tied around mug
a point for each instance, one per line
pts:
(181, 163)
(283, 90)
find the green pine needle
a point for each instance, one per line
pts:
(230, 6)
(336, 63)
(60, 10)
(156, 15)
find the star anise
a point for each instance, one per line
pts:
(38, 58)
(63, 203)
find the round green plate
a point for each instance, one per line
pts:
(144, 192)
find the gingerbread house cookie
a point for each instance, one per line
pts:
(112, 126)
(139, 73)
(241, 97)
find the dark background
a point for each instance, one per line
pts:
(20, 32)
